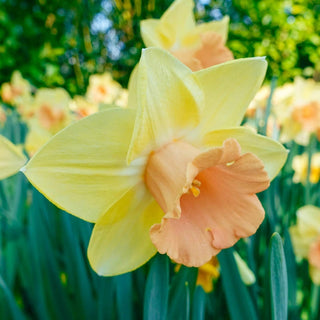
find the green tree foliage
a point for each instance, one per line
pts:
(50, 42)
(286, 32)
(60, 43)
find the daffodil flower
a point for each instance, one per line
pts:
(207, 274)
(197, 46)
(16, 92)
(48, 113)
(103, 89)
(11, 158)
(210, 272)
(300, 167)
(51, 109)
(83, 107)
(297, 109)
(305, 237)
(174, 173)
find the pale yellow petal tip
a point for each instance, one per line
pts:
(245, 272)
(282, 161)
(253, 62)
(23, 169)
(153, 50)
(12, 158)
(108, 268)
(226, 19)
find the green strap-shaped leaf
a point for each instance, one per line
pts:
(180, 292)
(278, 279)
(292, 276)
(106, 298)
(124, 297)
(16, 313)
(157, 289)
(240, 304)
(199, 304)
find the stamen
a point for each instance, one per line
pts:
(230, 163)
(195, 187)
(195, 191)
(196, 183)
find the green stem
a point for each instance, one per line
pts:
(314, 302)
(269, 105)
(310, 148)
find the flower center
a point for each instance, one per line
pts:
(195, 188)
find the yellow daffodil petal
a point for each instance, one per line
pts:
(120, 240)
(228, 90)
(271, 152)
(177, 21)
(11, 158)
(301, 243)
(220, 27)
(132, 88)
(150, 36)
(168, 98)
(207, 274)
(307, 230)
(83, 168)
(309, 220)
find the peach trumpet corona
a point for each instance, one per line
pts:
(205, 195)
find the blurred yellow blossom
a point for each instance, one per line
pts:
(122, 99)
(300, 167)
(51, 109)
(17, 91)
(305, 237)
(210, 271)
(82, 107)
(48, 114)
(299, 112)
(197, 46)
(103, 89)
(281, 98)
(259, 101)
(36, 137)
(173, 173)
(207, 273)
(11, 158)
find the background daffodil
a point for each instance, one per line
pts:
(305, 237)
(17, 92)
(11, 158)
(300, 167)
(103, 89)
(297, 109)
(197, 46)
(210, 272)
(174, 173)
